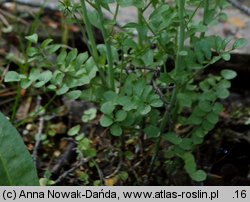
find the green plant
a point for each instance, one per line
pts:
(45, 181)
(83, 143)
(89, 115)
(131, 81)
(86, 153)
(16, 165)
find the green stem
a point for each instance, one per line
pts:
(165, 120)
(205, 15)
(88, 46)
(140, 23)
(114, 18)
(89, 30)
(195, 11)
(65, 32)
(110, 72)
(99, 171)
(169, 114)
(16, 103)
(154, 34)
(181, 35)
(146, 7)
(23, 67)
(91, 43)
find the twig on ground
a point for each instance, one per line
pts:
(4, 20)
(47, 6)
(11, 16)
(99, 172)
(118, 168)
(66, 157)
(71, 170)
(38, 138)
(240, 6)
(39, 133)
(7, 101)
(4, 73)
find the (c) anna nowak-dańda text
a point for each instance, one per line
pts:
(66, 194)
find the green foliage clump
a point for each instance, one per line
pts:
(131, 82)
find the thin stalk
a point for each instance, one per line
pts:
(193, 14)
(122, 65)
(65, 32)
(23, 67)
(205, 15)
(91, 43)
(88, 46)
(91, 4)
(16, 103)
(101, 177)
(81, 28)
(181, 35)
(114, 18)
(165, 120)
(167, 117)
(140, 22)
(89, 30)
(146, 7)
(154, 33)
(106, 37)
